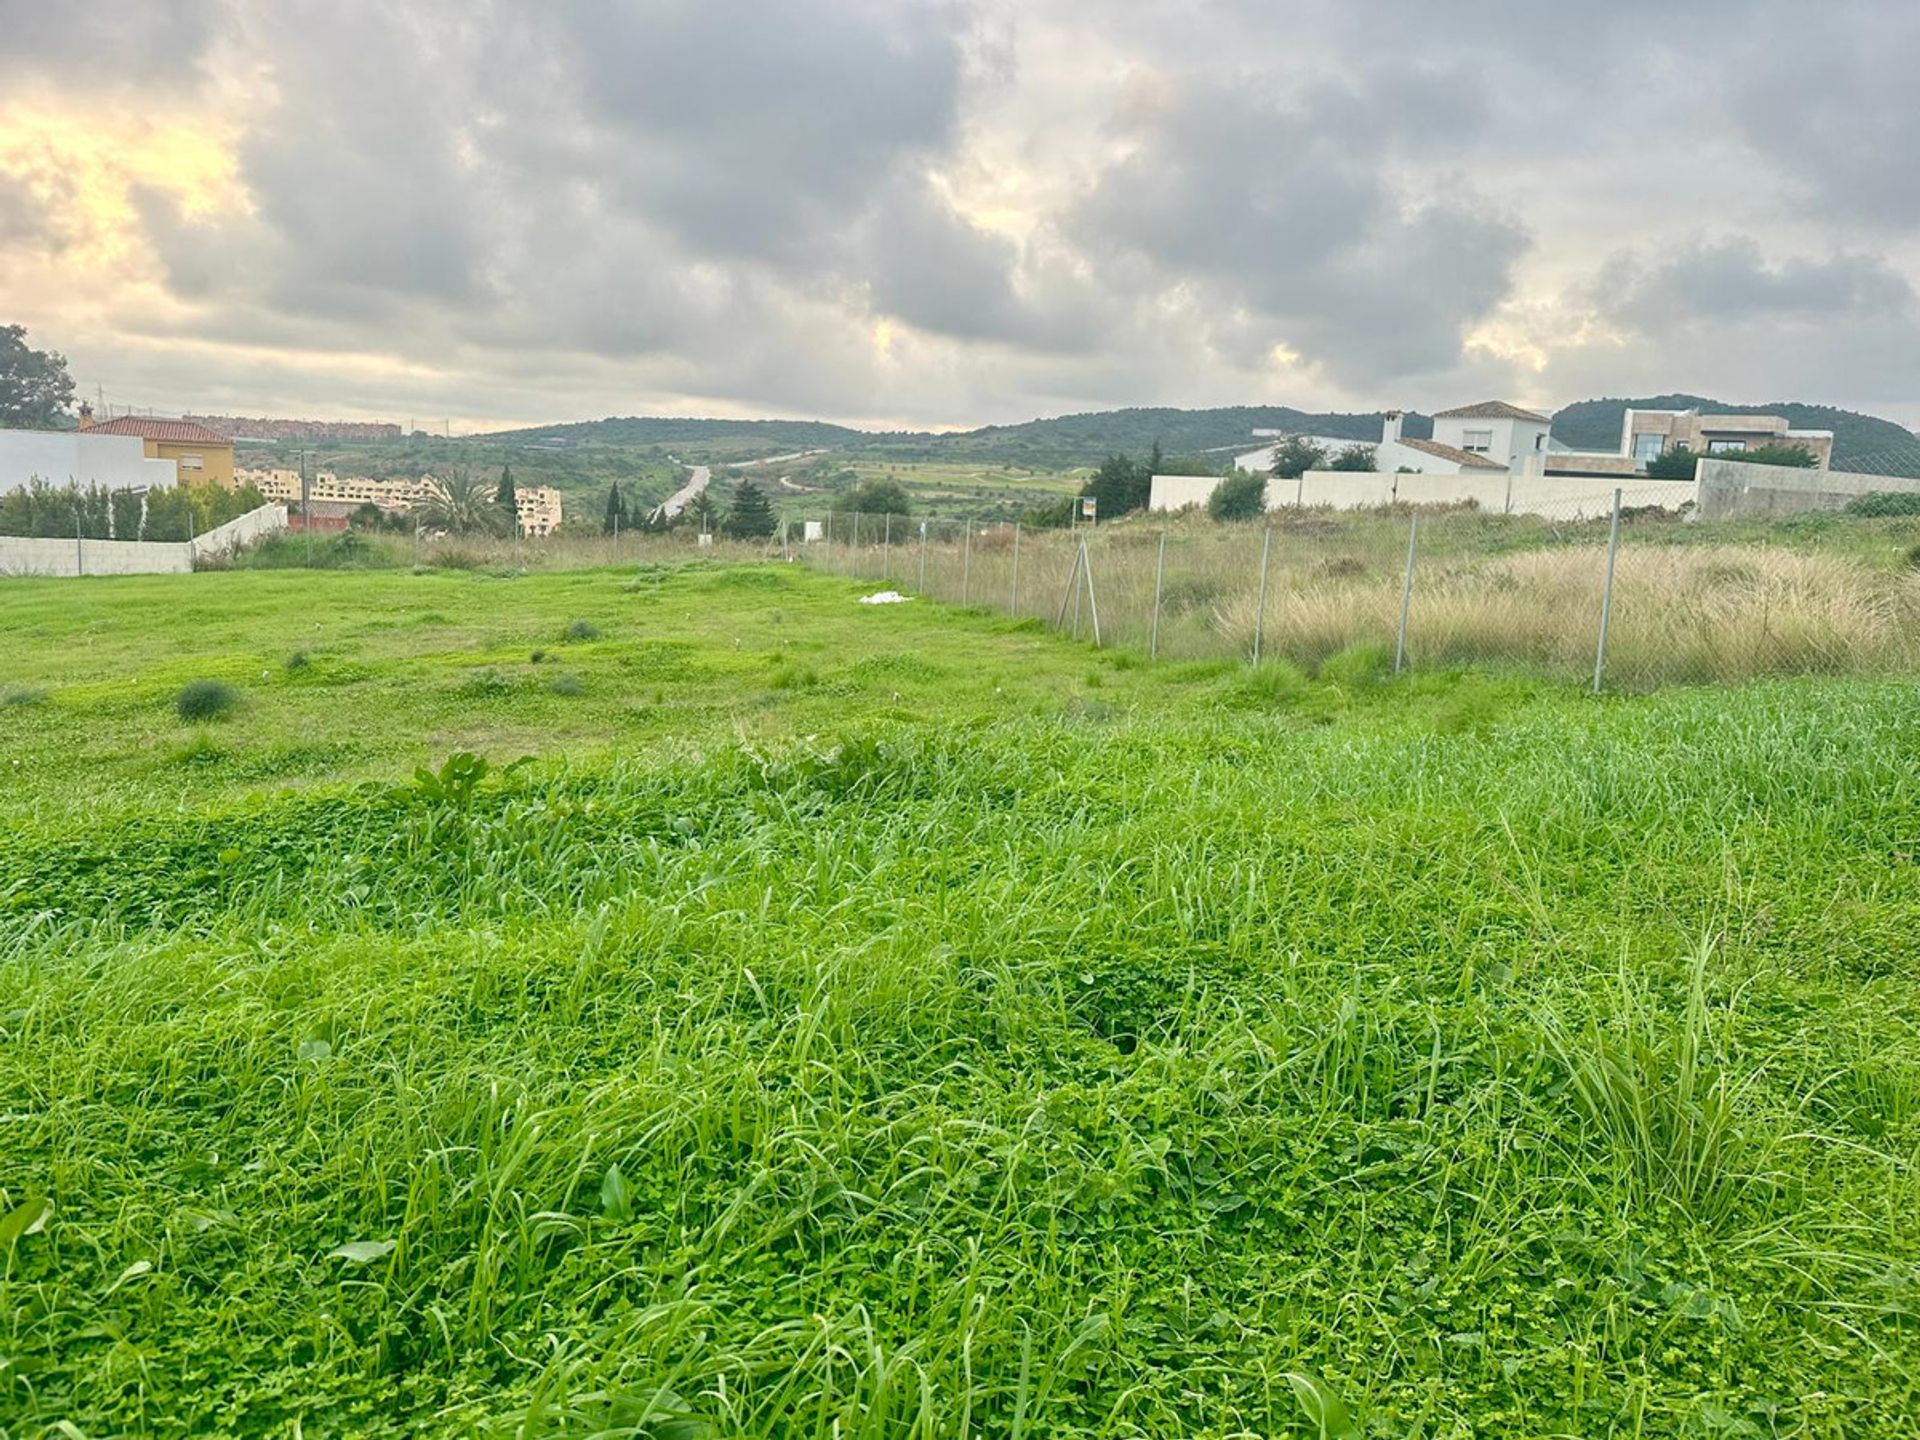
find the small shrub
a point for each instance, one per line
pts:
(583, 630)
(1358, 666)
(1271, 682)
(538, 657)
(203, 700)
(455, 557)
(21, 696)
(569, 685)
(1242, 497)
(786, 676)
(1885, 504)
(299, 660)
(488, 684)
(202, 750)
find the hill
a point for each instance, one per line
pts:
(1864, 443)
(1057, 443)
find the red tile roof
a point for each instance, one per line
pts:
(1448, 452)
(1491, 410)
(178, 432)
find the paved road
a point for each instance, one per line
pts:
(683, 497)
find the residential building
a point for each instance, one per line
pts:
(1645, 433)
(1261, 460)
(83, 458)
(540, 510)
(395, 497)
(1395, 453)
(1494, 430)
(199, 455)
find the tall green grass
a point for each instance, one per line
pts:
(1313, 1066)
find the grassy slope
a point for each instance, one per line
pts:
(1053, 1046)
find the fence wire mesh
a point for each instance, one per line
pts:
(1679, 599)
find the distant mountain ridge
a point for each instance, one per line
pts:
(1863, 443)
(1055, 443)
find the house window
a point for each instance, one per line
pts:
(1478, 441)
(191, 462)
(1725, 447)
(1647, 446)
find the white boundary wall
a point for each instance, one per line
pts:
(67, 558)
(1563, 497)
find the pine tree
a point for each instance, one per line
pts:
(749, 517)
(507, 498)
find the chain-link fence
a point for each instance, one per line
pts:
(1609, 594)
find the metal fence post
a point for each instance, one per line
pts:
(1159, 575)
(1093, 604)
(1406, 595)
(1260, 610)
(886, 549)
(1013, 591)
(923, 556)
(1069, 595)
(1606, 595)
(966, 565)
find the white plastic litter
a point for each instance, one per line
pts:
(885, 597)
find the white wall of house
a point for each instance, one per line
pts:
(1520, 445)
(1391, 456)
(62, 457)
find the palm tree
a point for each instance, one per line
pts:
(461, 505)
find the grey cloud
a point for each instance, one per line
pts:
(1283, 212)
(22, 217)
(99, 44)
(1733, 281)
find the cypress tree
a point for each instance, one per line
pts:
(750, 516)
(508, 498)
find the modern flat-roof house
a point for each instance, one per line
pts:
(1645, 433)
(198, 454)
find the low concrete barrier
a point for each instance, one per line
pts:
(21, 555)
(1733, 489)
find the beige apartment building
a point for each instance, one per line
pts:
(393, 496)
(540, 506)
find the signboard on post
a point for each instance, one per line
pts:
(1089, 508)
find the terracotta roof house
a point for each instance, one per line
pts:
(198, 454)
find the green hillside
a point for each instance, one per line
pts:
(1860, 442)
(1058, 443)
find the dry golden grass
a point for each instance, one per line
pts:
(1679, 614)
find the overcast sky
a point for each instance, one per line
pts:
(889, 212)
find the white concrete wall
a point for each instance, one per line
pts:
(1176, 492)
(62, 457)
(1561, 497)
(22, 556)
(243, 530)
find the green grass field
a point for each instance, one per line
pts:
(874, 1021)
